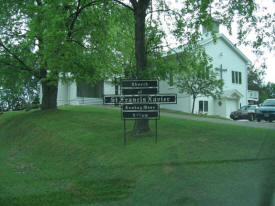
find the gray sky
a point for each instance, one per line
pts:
(269, 56)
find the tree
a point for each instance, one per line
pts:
(256, 80)
(267, 91)
(56, 40)
(271, 87)
(16, 94)
(256, 77)
(139, 9)
(195, 76)
(48, 39)
(184, 24)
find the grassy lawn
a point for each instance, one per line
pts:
(75, 156)
(195, 115)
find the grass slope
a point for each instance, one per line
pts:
(75, 156)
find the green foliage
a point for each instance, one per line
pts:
(92, 40)
(195, 76)
(12, 100)
(15, 93)
(256, 82)
(256, 77)
(252, 17)
(154, 50)
(123, 40)
(267, 91)
(67, 40)
(271, 87)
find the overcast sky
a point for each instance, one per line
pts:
(269, 56)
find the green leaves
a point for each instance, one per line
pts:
(194, 74)
(92, 39)
(256, 82)
(77, 37)
(50, 39)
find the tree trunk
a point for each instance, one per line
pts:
(140, 14)
(140, 126)
(49, 95)
(193, 105)
(49, 92)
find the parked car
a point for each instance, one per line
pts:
(266, 111)
(245, 112)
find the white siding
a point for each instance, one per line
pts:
(72, 94)
(220, 107)
(62, 94)
(183, 100)
(210, 105)
(109, 88)
(230, 60)
(224, 55)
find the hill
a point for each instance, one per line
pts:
(75, 156)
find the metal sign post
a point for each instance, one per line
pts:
(140, 100)
(125, 132)
(156, 137)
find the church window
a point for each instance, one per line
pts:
(203, 106)
(240, 78)
(236, 77)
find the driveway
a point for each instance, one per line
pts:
(245, 123)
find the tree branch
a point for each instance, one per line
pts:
(125, 5)
(78, 43)
(75, 15)
(7, 63)
(134, 3)
(25, 67)
(79, 9)
(159, 10)
(89, 4)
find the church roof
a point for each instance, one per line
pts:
(210, 39)
(229, 44)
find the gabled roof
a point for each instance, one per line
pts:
(229, 44)
(225, 40)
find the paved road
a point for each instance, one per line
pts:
(245, 123)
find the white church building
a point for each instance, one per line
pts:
(228, 61)
(231, 65)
